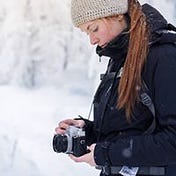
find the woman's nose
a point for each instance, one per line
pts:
(93, 39)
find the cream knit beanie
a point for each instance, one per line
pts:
(86, 10)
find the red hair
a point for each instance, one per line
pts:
(130, 81)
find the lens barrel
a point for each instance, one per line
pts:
(60, 143)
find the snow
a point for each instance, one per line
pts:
(28, 119)
(48, 72)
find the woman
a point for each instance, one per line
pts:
(130, 136)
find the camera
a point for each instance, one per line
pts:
(71, 142)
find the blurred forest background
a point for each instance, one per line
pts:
(48, 72)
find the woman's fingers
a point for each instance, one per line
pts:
(59, 130)
(64, 125)
(87, 158)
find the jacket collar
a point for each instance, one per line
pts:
(116, 48)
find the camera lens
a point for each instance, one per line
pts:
(60, 143)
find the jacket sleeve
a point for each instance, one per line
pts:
(159, 148)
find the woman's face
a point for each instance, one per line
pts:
(102, 31)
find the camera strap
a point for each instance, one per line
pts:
(147, 101)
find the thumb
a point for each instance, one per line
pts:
(92, 147)
(79, 123)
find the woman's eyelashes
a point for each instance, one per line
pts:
(92, 30)
(95, 29)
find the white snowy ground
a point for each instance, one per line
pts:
(27, 121)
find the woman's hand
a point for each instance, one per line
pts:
(87, 158)
(63, 125)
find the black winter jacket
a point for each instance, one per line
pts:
(127, 143)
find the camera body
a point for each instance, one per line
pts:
(71, 142)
